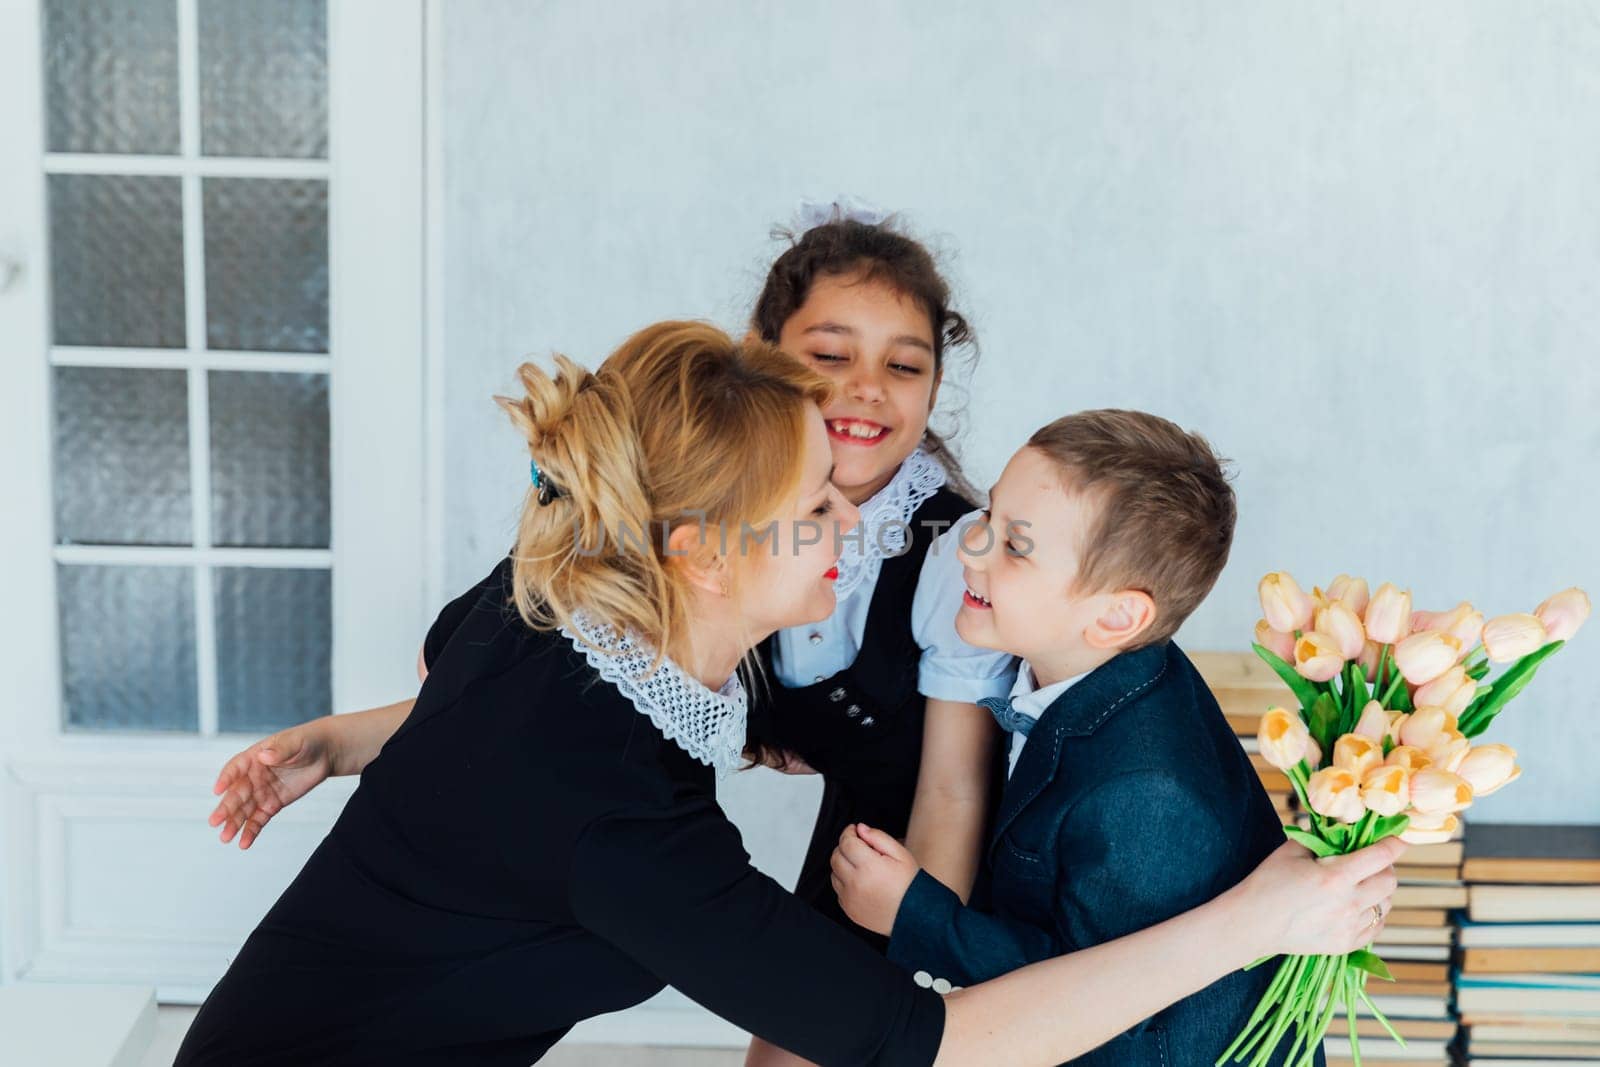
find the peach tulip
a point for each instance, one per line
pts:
(1277, 642)
(1460, 622)
(1466, 626)
(1489, 768)
(1448, 750)
(1351, 592)
(1374, 722)
(1386, 790)
(1453, 691)
(1388, 617)
(1283, 738)
(1436, 792)
(1423, 621)
(1423, 725)
(1334, 793)
(1407, 757)
(1396, 724)
(1371, 653)
(1427, 829)
(1340, 623)
(1283, 603)
(1510, 637)
(1425, 656)
(1563, 613)
(1357, 754)
(1317, 657)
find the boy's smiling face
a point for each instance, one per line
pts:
(1021, 569)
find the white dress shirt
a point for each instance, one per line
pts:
(1028, 699)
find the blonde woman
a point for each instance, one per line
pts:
(540, 841)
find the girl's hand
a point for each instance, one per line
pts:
(1303, 906)
(269, 776)
(871, 873)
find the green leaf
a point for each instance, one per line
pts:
(1388, 827)
(1369, 962)
(1401, 700)
(1481, 712)
(1305, 690)
(1310, 840)
(1358, 689)
(1323, 720)
(1479, 672)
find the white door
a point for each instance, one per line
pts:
(211, 453)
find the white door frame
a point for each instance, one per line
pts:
(59, 790)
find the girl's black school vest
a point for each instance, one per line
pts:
(861, 728)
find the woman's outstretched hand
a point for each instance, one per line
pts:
(267, 777)
(1304, 906)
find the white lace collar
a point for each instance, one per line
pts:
(886, 519)
(708, 726)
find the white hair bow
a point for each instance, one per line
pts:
(814, 213)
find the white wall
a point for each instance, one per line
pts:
(1358, 245)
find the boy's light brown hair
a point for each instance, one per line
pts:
(1165, 509)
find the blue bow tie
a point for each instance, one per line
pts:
(1010, 719)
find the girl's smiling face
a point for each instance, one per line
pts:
(876, 344)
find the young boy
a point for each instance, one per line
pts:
(1128, 798)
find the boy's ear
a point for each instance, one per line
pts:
(687, 550)
(1128, 613)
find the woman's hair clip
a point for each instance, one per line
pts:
(813, 213)
(546, 489)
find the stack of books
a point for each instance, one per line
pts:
(1528, 987)
(1416, 943)
(1245, 688)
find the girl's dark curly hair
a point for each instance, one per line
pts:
(874, 253)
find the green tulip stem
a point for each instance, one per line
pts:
(1259, 1018)
(1347, 995)
(1338, 971)
(1394, 687)
(1299, 777)
(1267, 1040)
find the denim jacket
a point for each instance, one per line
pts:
(1132, 802)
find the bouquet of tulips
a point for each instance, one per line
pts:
(1391, 702)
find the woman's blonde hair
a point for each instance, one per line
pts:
(681, 424)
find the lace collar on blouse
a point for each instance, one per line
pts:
(710, 726)
(886, 520)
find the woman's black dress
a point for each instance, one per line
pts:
(527, 851)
